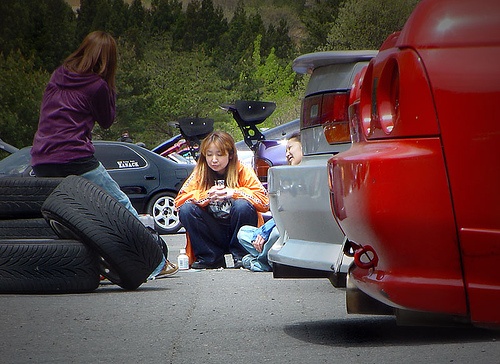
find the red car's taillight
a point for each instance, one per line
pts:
(353, 109)
(388, 97)
(383, 110)
(365, 107)
(400, 80)
(330, 111)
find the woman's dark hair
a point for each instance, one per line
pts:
(97, 54)
(225, 142)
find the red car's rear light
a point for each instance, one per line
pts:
(400, 80)
(388, 97)
(261, 166)
(353, 109)
(330, 111)
(365, 108)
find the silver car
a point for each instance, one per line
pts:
(310, 243)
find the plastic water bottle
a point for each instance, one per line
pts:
(183, 260)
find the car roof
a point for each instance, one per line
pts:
(306, 63)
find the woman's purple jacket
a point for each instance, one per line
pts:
(71, 105)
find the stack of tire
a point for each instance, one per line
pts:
(61, 235)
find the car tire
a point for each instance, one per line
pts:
(77, 208)
(22, 197)
(47, 266)
(26, 229)
(166, 217)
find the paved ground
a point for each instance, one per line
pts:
(221, 316)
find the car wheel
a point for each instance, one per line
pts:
(23, 196)
(166, 217)
(47, 266)
(26, 229)
(79, 208)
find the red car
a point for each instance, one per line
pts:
(418, 192)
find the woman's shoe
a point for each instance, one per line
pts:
(168, 270)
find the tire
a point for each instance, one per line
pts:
(79, 209)
(22, 197)
(162, 208)
(47, 266)
(26, 229)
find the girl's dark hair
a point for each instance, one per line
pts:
(225, 143)
(97, 54)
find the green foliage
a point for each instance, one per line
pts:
(165, 15)
(269, 80)
(318, 19)
(180, 61)
(365, 24)
(165, 86)
(20, 95)
(200, 27)
(278, 38)
(43, 30)
(114, 16)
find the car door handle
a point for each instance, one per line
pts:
(149, 178)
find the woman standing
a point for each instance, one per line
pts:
(81, 92)
(212, 212)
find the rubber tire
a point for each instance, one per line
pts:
(78, 208)
(160, 203)
(47, 266)
(26, 229)
(22, 197)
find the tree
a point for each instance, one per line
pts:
(212, 25)
(318, 19)
(234, 44)
(42, 29)
(20, 98)
(165, 15)
(185, 85)
(365, 24)
(120, 15)
(270, 81)
(137, 15)
(165, 86)
(202, 27)
(87, 14)
(277, 38)
(134, 100)
(113, 16)
(173, 63)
